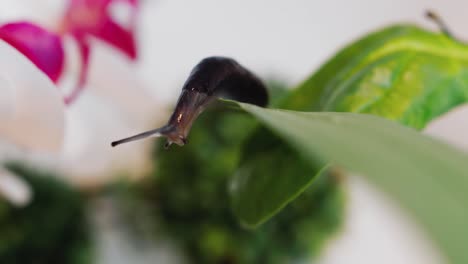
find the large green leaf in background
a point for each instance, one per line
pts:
(403, 73)
(428, 178)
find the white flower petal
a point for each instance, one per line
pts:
(88, 159)
(44, 12)
(6, 100)
(14, 189)
(35, 118)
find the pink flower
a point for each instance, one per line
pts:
(82, 19)
(41, 47)
(85, 18)
(33, 118)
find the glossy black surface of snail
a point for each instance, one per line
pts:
(212, 78)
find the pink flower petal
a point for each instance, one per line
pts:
(133, 2)
(92, 17)
(40, 46)
(118, 37)
(85, 18)
(84, 51)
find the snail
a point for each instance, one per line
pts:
(212, 78)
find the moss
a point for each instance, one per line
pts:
(51, 229)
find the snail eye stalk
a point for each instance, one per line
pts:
(212, 78)
(150, 133)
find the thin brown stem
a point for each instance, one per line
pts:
(440, 23)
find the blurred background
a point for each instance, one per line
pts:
(281, 41)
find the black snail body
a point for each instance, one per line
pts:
(212, 78)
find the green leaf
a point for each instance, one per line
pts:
(403, 73)
(398, 72)
(261, 186)
(427, 177)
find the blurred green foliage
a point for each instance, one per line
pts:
(51, 229)
(188, 195)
